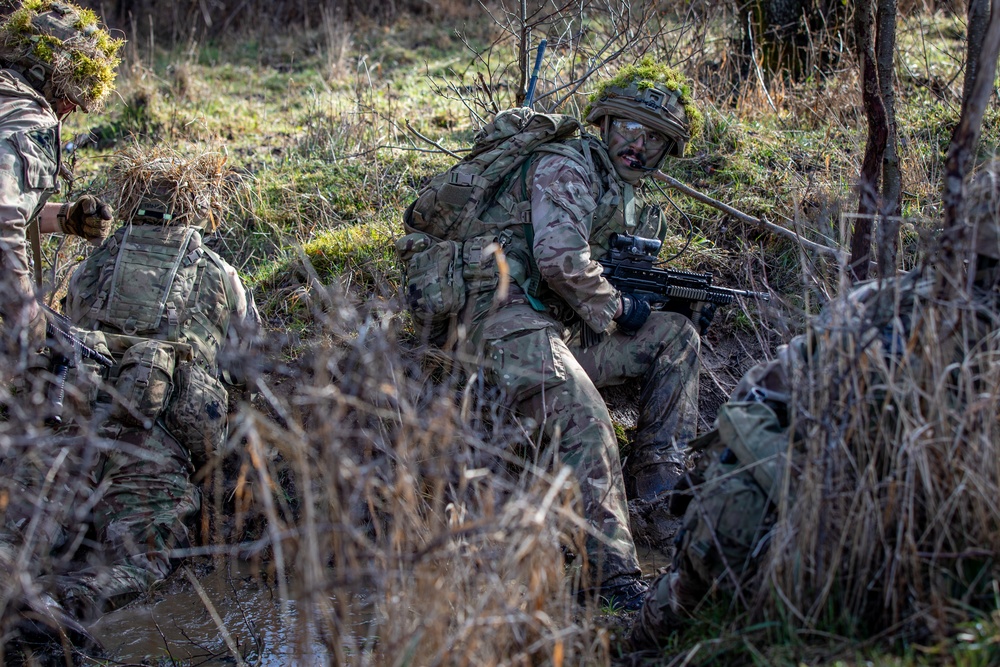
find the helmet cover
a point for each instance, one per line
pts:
(62, 51)
(653, 94)
(161, 186)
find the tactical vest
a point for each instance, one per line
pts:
(443, 275)
(158, 283)
(160, 303)
(618, 211)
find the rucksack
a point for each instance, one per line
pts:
(448, 251)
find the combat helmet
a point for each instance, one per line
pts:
(653, 94)
(62, 51)
(160, 186)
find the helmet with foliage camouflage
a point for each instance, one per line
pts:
(982, 210)
(161, 186)
(656, 95)
(62, 51)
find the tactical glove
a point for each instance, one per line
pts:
(88, 217)
(704, 315)
(635, 312)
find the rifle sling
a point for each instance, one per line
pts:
(119, 343)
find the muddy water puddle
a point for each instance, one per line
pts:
(178, 626)
(653, 561)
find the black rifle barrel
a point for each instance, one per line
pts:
(657, 285)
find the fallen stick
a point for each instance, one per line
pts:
(740, 215)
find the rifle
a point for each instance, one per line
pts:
(67, 350)
(630, 268)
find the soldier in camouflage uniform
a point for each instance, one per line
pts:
(54, 58)
(164, 306)
(563, 331)
(727, 524)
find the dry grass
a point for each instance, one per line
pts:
(888, 526)
(397, 518)
(192, 189)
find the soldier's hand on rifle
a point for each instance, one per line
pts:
(702, 314)
(634, 313)
(35, 332)
(88, 217)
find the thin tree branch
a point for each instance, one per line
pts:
(432, 142)
(739, 215)
(960, 153)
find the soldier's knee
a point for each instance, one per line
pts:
(673, 330)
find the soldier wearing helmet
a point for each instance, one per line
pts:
(883, 331)
(54, 58)
(563, 331)
(173, 315)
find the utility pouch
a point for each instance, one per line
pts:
(197, 416)
(479, 264)
(85, 379)
(435, 284)
(144, 383)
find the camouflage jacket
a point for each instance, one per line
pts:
(575, 202)
(29, 164)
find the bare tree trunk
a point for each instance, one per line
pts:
(979, 17)
(522, 56)
(871, 167)
(887, 238)
(952, 250)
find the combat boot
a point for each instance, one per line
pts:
(623, 593)
(653, 471)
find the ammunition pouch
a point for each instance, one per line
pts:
(85, 380)
(434, 285)
(441, 275)
(144, 384)
(198, 414)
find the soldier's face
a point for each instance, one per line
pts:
(64, 107)
(634, 148)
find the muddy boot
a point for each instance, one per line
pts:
(624, 593)
(653, 471)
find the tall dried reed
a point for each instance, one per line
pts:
(399, 517)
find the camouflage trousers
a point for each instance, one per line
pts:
(723, 532)
(92, 520)
(556, 385)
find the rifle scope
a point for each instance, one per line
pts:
(635, 245)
